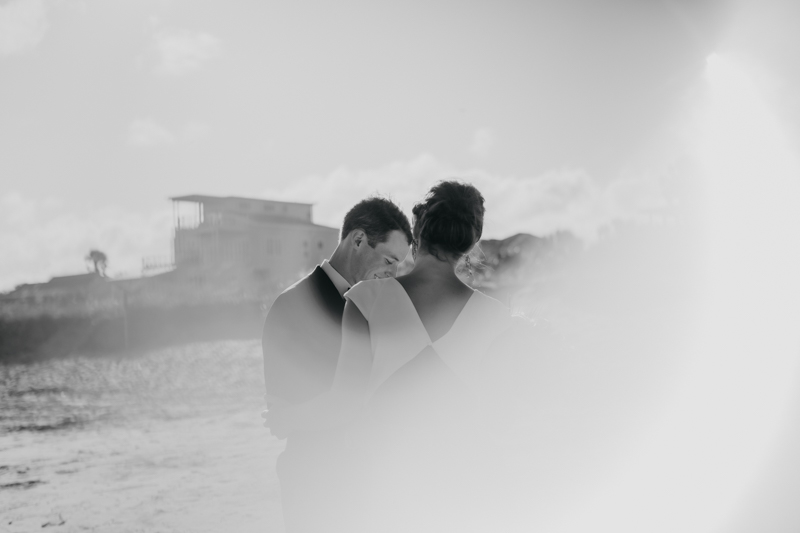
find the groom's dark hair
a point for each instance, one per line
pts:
(377, 217)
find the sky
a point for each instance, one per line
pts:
(568, 115)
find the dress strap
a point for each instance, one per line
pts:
(364, 294)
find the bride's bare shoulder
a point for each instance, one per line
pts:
(492, 303)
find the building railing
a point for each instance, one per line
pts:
(188, 222)
(156, 265)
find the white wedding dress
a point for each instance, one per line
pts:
(423, 398)
(398, 335)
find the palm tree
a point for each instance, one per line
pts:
(100, 261)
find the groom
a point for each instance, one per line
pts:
(300, 343)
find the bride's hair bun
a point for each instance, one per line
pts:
(450, 218)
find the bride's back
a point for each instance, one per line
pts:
(447, 224)
(438, 301)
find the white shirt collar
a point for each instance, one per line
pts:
(339, 282)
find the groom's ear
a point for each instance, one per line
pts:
(359, 237)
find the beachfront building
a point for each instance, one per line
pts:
(260, 243)
(226, 250)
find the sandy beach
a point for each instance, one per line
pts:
(191, 456)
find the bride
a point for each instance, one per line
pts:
(408, 382)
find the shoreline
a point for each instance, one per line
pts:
(205, 473)
(169, 441)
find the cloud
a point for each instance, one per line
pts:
(23, 24)
(560, 200)
(181, 51)
(195, 131)
(483, 140)
(42, 238)
(147, 132)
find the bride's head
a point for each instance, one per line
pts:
(449, 220)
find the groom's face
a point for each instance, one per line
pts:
(381, 261)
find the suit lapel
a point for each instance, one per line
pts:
(328, 294)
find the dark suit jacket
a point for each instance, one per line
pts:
(301, 338)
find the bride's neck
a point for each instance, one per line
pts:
(429, 265)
